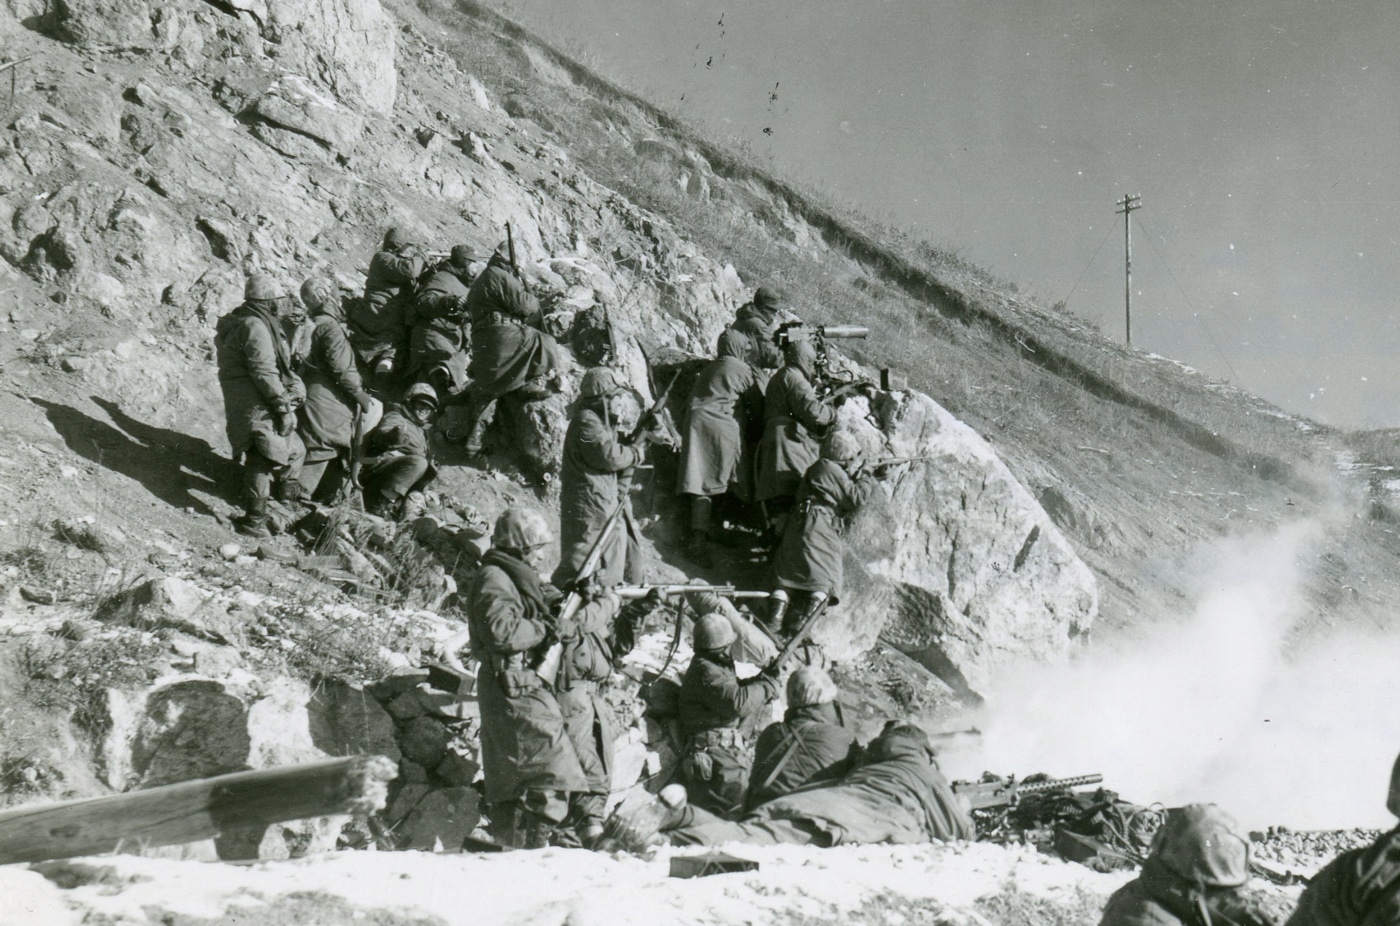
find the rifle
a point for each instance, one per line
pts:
(550, 654)
(510, 245)
(634, 592)
(798, 639)
(998, 792)
(655, 409)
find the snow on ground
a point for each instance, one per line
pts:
(551, 886)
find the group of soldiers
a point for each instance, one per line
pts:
(297, 374)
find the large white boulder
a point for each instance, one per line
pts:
(953, 561)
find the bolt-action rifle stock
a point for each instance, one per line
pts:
(1002, 792)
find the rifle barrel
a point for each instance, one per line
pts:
(633, 592)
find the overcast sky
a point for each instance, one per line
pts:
(1261, 134)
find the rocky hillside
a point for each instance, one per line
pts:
(157, 152)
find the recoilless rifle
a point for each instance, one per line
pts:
(828, 385)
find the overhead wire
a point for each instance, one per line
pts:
(1194, 313)
(1111, 227)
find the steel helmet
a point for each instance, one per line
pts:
(810, 685)
(261, 287)
(318, 293)
(521, 529)
(1392, 802)
(714, 632)
(841, 446)
(421, 392)
(1200, 843)
(601, 381)
(396, 238)
(767, 298)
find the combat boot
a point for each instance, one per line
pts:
(254, 522)
(777, 614)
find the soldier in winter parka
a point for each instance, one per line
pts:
(377, 323)
(794, 420)
(811, 743)
(811, 553)
(333, 392)
(439, 335)
(398, 457)
(532, 770)
(716, 456)
(261, 396)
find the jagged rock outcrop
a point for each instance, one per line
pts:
(953, 561)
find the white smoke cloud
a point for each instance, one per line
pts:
(1210, 709)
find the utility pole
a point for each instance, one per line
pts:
(1126, 207)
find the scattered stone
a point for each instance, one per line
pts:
(37, 595)
(457, 769)
(406, 706)
(191, 729)
(404, 802)
(218, 661)
(174, 603)
(86, 534)
(346, 721)
(424, 741)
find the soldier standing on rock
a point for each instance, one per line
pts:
(595, 475)
(794, 419)
(712, 705)
(753, 327)
(716, 459)
(398, 458)
(510, 357)
(1361, 886)
(377, 322)
(812, 550)
(529, 760)
(261, 396)
(438, 337)
(333, 392)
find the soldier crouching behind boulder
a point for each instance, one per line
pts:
(261, 396)
(812, 743)
(811, 552)
(377, 327)
(531, 766)
(438, 335)
(712, 705)
(897, 796)
(398, 459)
(1194, 876)
(333, 392)
(1361, 886)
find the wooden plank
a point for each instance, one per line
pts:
(194, 810)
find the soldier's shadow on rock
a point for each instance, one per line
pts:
(168, 463)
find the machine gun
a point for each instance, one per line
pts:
(827, 384)
(994, 792)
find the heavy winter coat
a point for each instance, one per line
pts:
(596, 467)
(377, 322)
(903, 799)
(524, 743)
(506, 351)
(400, 436)
(794, 419)
(1160, 897)
(756, 326)
(438, 336)
(257, 381)
(1357, 888)
(809, 745)
(332, 382)
(712, 705)
(725, 400)
(813, 547)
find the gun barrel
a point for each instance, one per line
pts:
(1059, 784)
(634, 592)
(844, 331)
